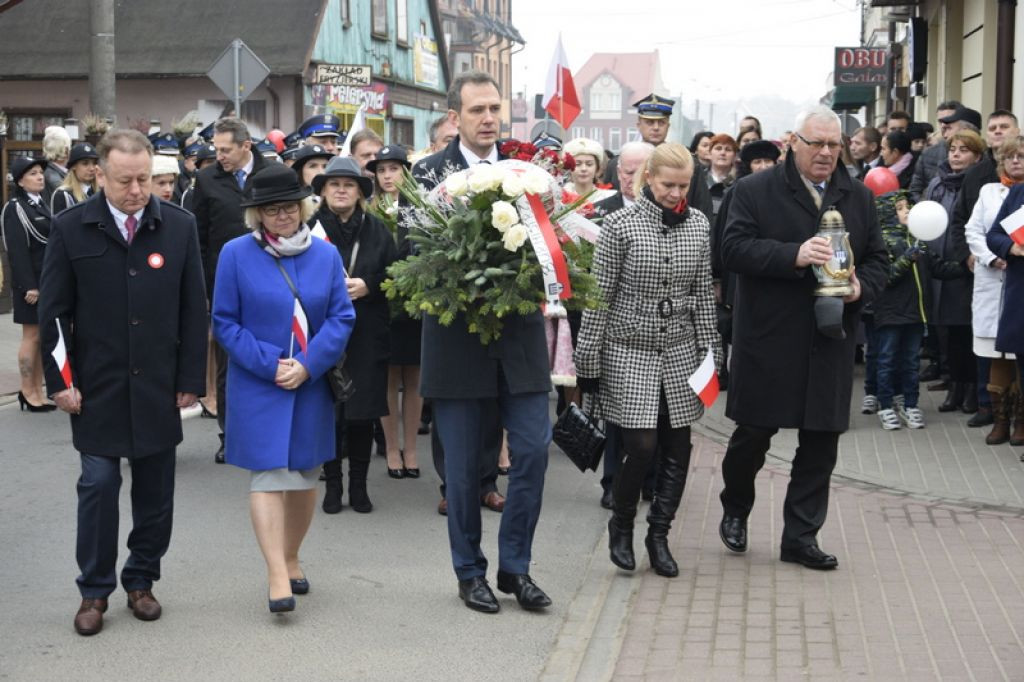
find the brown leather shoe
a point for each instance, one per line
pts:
(442, 507)
(89, 619)
(494, 501)
(144, 605)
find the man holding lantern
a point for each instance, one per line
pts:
(792, 360)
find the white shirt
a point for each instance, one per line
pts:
(248, 166)
(120, 217)
(472, 159)
(35, 197)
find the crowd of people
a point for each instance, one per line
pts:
(250, 273)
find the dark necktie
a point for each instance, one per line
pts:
(129, 225)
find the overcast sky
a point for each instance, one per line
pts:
(711, 49)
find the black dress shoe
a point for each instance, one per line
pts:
(218, 456)
(477, 595)
(396, 473)
(299, 585)
(733, 531)
(929, 373)
(810, 556)
(529, 596)
(607, 501)
(414, 472)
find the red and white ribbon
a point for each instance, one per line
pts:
(549, 252)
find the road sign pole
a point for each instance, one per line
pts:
(236, 48)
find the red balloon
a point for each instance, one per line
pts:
(277, 137)
(881, 181)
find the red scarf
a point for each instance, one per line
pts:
(680, 207)
(1008, 181)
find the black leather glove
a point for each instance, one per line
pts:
(588, 385)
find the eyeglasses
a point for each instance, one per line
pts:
(1016, 157)
(818, 145)
(272, 211)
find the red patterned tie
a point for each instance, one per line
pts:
(130, 224)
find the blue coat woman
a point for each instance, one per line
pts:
(1010, 334)
(269, 427)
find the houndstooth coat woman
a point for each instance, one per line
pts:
(660, 317)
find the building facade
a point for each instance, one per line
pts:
(940, 50)
(479, 35)
(608, 84)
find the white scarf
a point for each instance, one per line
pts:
(280, 247)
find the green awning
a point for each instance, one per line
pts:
(851, 97)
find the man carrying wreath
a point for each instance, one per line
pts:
(469, 382)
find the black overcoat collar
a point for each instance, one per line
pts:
(839, 185)
(97, 213)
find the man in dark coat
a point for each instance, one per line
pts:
(466, 378)
(123, 300)
(429, 172)
(653, 114)
(788, 369)
(215, 200)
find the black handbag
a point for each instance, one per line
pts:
(580, 436)
(338, 378)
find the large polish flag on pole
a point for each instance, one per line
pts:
(560, 98)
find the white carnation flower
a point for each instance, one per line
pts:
(512, 185)
(456, 184)
(503, 215)
(515, 237)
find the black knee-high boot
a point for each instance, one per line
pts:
(671, 481)
(629, 480)
(358, 465)
(332, 495)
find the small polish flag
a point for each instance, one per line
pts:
(319, 231)
(1014, 225)
(704, 381)
(300, 328)
(60, 356)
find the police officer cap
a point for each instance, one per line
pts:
(654, 106)
(206, 152)
(80, 152)
(264, 146)
(193, 149)
(22, 165)
(546, 139)
(207, 133)
(292, 139)
(289, 153)
(310, 151)
(320, 125)
(164, 143)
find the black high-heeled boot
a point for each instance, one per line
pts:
(954, 398)
(671, 482)
(625, 497)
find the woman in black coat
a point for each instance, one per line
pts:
(367, 249)
(26, 227)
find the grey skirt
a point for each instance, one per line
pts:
(276, 480)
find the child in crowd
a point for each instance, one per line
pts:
(899, 313)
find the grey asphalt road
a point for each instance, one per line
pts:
(383, 604)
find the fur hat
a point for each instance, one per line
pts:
(163, 164)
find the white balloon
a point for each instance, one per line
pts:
(927, 220)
